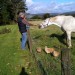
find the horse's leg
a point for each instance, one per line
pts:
(69, 39)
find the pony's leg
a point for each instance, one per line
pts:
(69, 39)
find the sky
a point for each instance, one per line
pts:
(50, 6)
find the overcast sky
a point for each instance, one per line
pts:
(50, 6)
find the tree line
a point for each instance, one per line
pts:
(9, 10)
(44, 16)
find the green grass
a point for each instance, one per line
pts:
(13, 59)
(51, 37)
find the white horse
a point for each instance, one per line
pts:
(66, 23)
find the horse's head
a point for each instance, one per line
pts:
(45, 23)
(48, 22)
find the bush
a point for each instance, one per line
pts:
(5, 30)
(36, 17)
(47, 15)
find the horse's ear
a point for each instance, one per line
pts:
(53, 19)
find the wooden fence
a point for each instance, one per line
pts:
(65, 62)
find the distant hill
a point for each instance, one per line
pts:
(70, 13)
(52, 14)
(28, 15)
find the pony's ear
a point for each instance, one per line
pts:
(53, 19)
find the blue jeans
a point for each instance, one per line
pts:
(24, 40)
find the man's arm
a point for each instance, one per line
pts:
(26, 22)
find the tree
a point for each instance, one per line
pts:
(4, 14)
(36, 17)
(47, 15)
(18, 5)
(10, 8)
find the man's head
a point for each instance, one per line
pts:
(21, 14)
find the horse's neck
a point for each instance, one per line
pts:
(56, 23)
(59, 21)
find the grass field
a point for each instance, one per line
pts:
(14, 61)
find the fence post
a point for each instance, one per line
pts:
(65, 62)
(29, 40)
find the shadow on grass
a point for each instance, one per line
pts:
(42, 68)
(37, 37)
(23, 72)
(60, 38)
(73, 38)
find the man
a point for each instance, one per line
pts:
(23, 25)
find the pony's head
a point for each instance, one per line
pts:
(45, 23)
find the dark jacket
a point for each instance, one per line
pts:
(21, 25)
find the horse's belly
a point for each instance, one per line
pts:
(66, 27)
(69, 25)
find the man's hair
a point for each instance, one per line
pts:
(21, 13)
